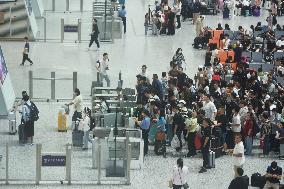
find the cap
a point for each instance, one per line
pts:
(144, 66)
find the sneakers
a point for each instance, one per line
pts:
(31, 63)
(203, 170)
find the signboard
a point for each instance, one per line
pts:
(53, 160)
(70, 28)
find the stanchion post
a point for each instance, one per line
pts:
(31, 84)
(7, 165)
(98, 77)
(44, 29)
(10, 21)
(38, 163)
(62, 30)
(75, 80)
(52, 85)
(128, 164)
(67, 5)
(53, 5)
(99, 163)
(79, 30)
(68, 163)
(95, 141)
(81, 6)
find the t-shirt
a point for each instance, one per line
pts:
(145, 123)
(224, 122)
(206, 132)
(236, 120)
(103, 66)
(277, 171)
(239, 149)
(78, 103)
(209, 109)
(27, 48)
(179, 121)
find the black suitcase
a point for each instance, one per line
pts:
(198, 43)
(21, 132)
(226, 13)
(77, 138)
(257, 180)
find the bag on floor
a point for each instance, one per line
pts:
(175, 142)
(22, 136)
(257, 180)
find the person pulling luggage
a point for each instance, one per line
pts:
(77, 102)
(206, 133)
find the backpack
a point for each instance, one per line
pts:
(33, 115)
(255, 128)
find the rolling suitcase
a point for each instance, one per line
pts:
(211, 159)
(21, 133)
(77, 138)
(12, 123)
(62, 121)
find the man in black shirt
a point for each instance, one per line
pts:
(178, 124)
(95, 34)
(240, 182)
(26, 52)
(222, 122)
(273, 176)
(206, 132)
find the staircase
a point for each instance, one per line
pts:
(19, 21)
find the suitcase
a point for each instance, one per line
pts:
(159, 148)
(211, 158)
(216, 146)
(12, 123)
(21, 133)
(257, 180)
(77, 138)
(62, 122)
(226, 13)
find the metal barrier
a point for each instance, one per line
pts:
(67, 10)
(63, 159)
(71, 28)
(52, 80)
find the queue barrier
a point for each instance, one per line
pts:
(64, 159)
(52, 80)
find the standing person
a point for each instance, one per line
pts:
(273, 176)
(180, 173)
(157, 86)
(209, 108)
(95, 34)
(199, 25)
(206, 133)
(145, 127)
(236, 120)
(178, 58)
(222, 122)
(196, 11)
(87, 127)
(178, 13)
(191, 125)
(26, 119)
(178, 124)
(171, 22)
(145, 73)
(122, 14)
(77, 102)
(238, 153)
(265, 132)
(103, 67)
(146, 23)
(247, 132)
(26, 52)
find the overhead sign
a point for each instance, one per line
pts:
(53, 160)
(70, 28)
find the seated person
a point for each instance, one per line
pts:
(219, 27)
(240, 182)
(226, 42)
(227, 27)
(273, 176)
(278, 27)
(270, 34)
(246, 43)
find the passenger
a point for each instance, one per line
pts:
(87, 127)
(273, 176)
(94, 35)
(180, 174)
(26, 119)
(103, 68)
(77, 102)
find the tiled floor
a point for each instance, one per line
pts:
(127, 55)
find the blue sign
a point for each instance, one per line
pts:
(53, 160)
(70, 28)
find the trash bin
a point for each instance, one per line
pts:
(2, 18)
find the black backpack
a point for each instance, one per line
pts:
(33, 115)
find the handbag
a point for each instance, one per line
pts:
(185, 185)
(160, 136)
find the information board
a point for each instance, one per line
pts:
(53, 160)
